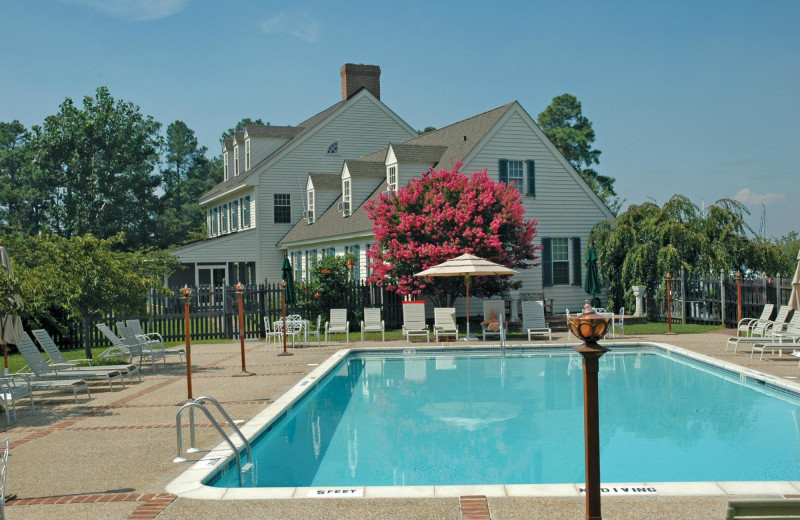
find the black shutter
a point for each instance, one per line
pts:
(531, 177)
(547, 262)
(503, 167)
(577, 259)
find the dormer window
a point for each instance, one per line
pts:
(391, 178)
(236, 160)
(346, 196)
(247, 155)
(333, 148)
(310, 210)
(225, 165)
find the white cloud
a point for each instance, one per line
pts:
(135, 10)
(294, 23)
(747, 196)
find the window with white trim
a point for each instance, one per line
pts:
(310, 202)
(236, 160)
(246, 212)
(516, 175)
(282, 213)
(391, 178)
(224, 218)
(226, 173)
(235, 215)
(346, 197)
(560, 261)
(247, 155)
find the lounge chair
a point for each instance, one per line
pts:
(414, 321)
(154, 340)
(129, 347)
(444, 322)
(338, 323)
(57, 359)
(11, 389)
(533, 321)
(496, 307)
(770, 329)
(39, 368)
(766, 508)
(373, 323)
(755, 326)
(773, 346)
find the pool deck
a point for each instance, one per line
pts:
(111, 457)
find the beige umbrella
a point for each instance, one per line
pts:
(467, 266)
(10, 324)
(794, 299)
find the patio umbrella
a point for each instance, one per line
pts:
(794, 299)
(592, 283)
(10, 324)
(467, 266)
(288, 277)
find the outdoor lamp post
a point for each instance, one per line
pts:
(283, 309)
(590, 327)
(669, 304)
(186, 292)
(738, 296)
(239, 289)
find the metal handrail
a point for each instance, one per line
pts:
(198, 403)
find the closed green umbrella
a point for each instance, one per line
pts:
(288, 277)
(592, 283)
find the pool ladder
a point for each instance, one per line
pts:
(198, 404)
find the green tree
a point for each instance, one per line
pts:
(96, 165)
(330, 281)
(239, 127)
(572, 134)
(20, 192)
(186, 176)
(646, 242)
(77, 279)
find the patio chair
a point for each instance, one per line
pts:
(270, 334)
(753, 326)
(498, 307)
(444, 322)
(4, 445)
(533, 321)
(58, 360)
(154, 340)
(39, 369)
(776, 331)
(414, 321)
(373, 323)
(294, 328)
(338, 323)
(129, 347)
(316, 332)
(11, 389)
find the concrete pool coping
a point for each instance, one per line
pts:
(189, 484)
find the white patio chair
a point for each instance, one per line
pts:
(444, 322)
(372, 322)
(498, 307)
(317, 331)
(338, 323)
(533, 321)
(270, 334)
(414, 321)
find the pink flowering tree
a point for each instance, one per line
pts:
(441, 215)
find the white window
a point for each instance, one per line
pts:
(310, 200)
(236, 160)
(560, 261)
(333, 148)
(247, 155)
(515, 175)
(391, 178)
(346, 196)
(225, 165)
(235, 215)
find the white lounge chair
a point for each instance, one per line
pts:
(337, 324)
(770, 329)
(414, 321)
(373, 323)
(444, 322)
(128, 347)
(12, 389)
(498, 307)
(755, 326)
(154, 340)
(39, 369)
(57, 359)
(533, 321)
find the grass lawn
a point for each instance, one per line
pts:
(662, 328)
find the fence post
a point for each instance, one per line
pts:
(723, 299)
(683, 295)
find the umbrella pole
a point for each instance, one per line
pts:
(468, 336)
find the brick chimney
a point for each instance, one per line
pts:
(355, 76)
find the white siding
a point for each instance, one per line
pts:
(263, 147)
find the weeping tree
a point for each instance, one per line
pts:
(647, 241)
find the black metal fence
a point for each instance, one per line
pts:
(214, 312)
(715, 300)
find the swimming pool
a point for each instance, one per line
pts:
(419, 418)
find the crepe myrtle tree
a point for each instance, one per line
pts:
(443, 214)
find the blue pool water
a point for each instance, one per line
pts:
(403, 420)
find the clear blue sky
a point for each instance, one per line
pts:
(697, 98)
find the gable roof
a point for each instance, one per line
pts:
(418, 153)
(326, 181)
(272, 131)
(302, 129)
(359, 168)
